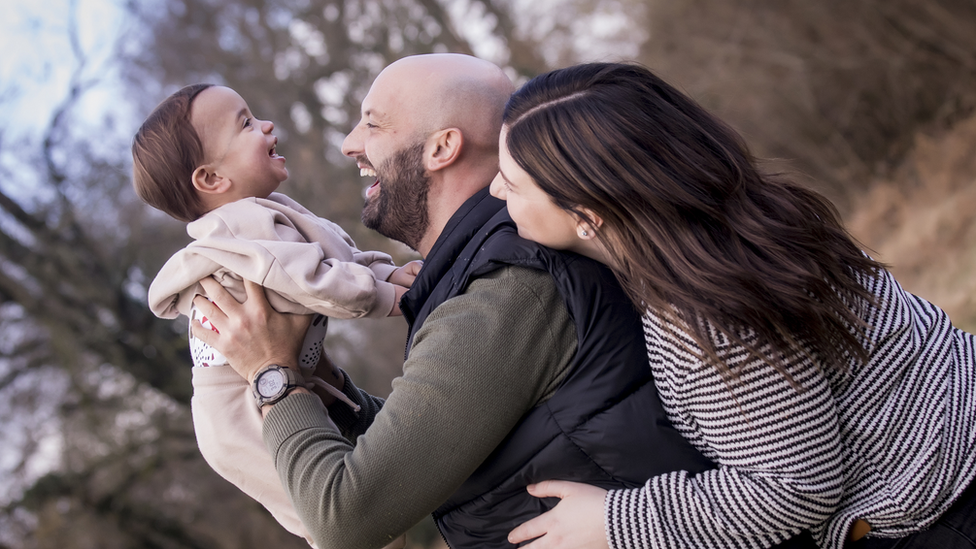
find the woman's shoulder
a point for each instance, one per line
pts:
(673, 354)
(669, 333)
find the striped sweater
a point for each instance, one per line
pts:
(892, 441)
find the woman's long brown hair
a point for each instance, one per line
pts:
(695, 232)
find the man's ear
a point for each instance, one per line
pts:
(443, 148)
(208, 181)
(588, 223)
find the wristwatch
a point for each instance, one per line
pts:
(272, 383)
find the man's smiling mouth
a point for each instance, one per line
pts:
(369, 171)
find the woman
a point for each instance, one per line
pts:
(831, 399)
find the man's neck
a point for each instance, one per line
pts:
(434, 230)
(442, 202)
(444, 232)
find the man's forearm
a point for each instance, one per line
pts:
(444, 417)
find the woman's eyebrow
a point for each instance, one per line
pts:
(507, 180)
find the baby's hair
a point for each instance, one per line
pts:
(165, 152)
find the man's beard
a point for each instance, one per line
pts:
(400, 210)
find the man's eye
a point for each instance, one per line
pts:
(370, 125)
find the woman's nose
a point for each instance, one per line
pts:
(497, 188)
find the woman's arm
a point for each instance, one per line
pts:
(778, 452)
(777, 447)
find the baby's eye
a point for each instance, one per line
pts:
(247, 122)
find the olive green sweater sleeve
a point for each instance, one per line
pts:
(480, 361)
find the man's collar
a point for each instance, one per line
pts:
(466, 221)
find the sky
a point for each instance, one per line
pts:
(36, 67)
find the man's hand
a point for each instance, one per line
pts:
(251, 335)
(576, 522)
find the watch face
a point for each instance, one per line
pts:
(270, 383)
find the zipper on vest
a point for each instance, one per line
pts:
(439, 531)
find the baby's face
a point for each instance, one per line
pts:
(239, 149)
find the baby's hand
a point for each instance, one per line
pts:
(400, 290)
(405, 275)
(402, 278)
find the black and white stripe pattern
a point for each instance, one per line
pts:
(891, 442)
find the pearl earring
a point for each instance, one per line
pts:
(585, 233)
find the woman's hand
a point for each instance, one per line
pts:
(576, 522)
(251, 335)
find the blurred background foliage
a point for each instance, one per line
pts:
(871, 102)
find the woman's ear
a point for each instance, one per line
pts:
(208, 181)
(442, 149)
(587, 224)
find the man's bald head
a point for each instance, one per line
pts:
(445, 90)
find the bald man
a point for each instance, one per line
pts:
(523, 364)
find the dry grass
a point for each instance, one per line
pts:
(837, 88)
(922, 221)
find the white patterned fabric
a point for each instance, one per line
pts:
(205, 356)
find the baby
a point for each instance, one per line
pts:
(203, 158)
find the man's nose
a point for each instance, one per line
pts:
(352, 145)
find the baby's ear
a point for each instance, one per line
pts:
(208, 181)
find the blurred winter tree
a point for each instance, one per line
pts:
(94, 390)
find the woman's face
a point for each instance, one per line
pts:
(537, 216)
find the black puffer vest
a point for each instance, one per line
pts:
(603, 426)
